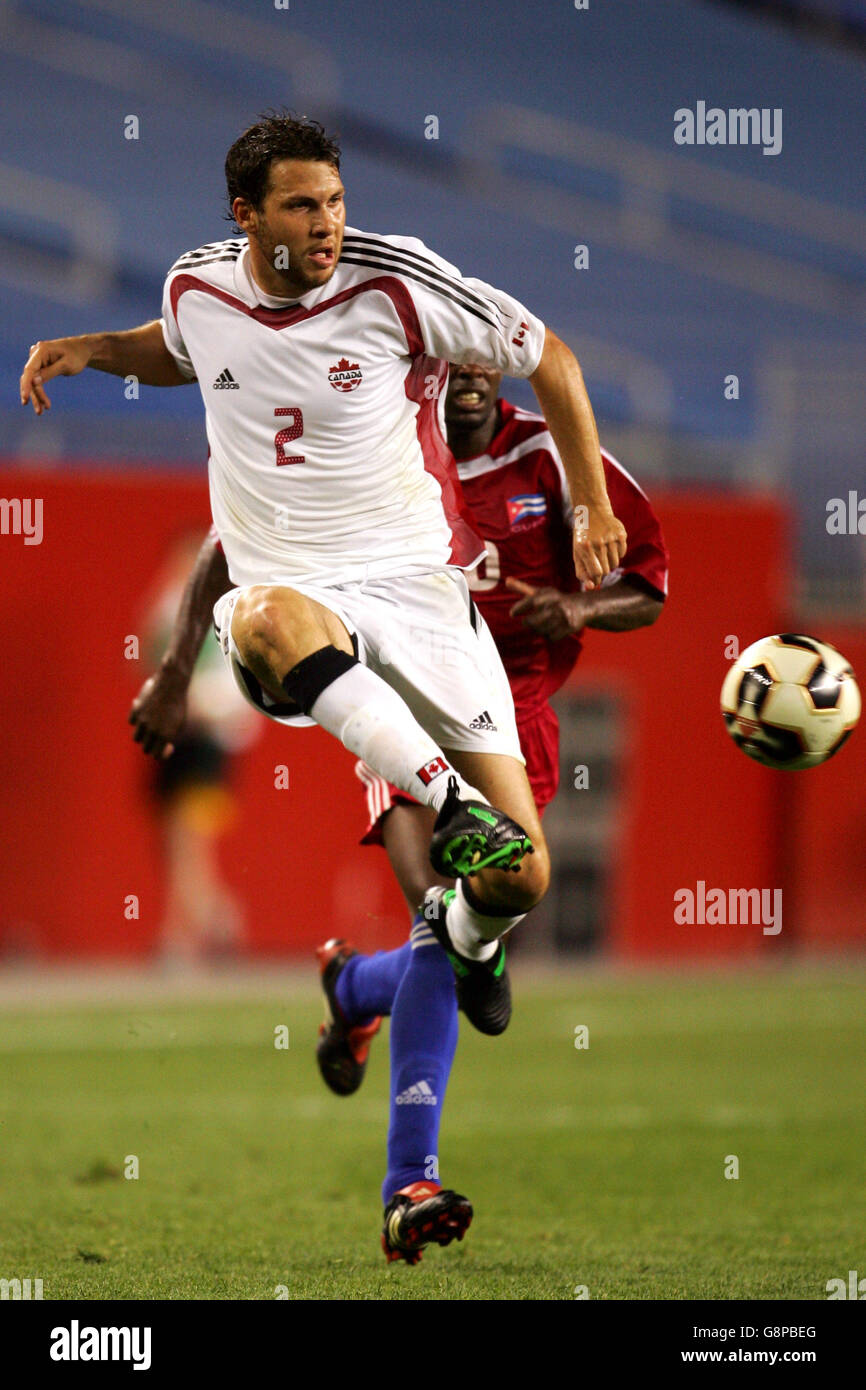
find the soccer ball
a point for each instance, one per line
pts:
(790, 701)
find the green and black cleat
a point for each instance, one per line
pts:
(483, 986)
(470, 835)
(423, 1214)
(343, 1048)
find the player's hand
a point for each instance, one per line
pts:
(59, 357)
(599, 544)
(158, 712)
(548, 611)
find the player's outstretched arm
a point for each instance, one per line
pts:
(139, 352)
(618, 607)
(599, 538)
(159, 709)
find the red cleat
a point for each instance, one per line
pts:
(343, 1048)
(423, 1214)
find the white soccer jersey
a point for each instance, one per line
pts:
(325, 415)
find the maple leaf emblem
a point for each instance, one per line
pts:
(345, 376)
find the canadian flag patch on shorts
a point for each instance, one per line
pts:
(431, 770)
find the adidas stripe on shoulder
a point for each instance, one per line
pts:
(228, 250)
(398, 255)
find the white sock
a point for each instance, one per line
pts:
(475, 934)
(375, 723)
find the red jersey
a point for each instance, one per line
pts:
(518, 496)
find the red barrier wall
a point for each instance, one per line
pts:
(78, 835)
(695, 808)
(78, 831)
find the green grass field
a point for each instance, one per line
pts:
(601, 1167)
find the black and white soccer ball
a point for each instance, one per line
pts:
(790, 701)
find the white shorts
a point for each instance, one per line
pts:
(425, 637)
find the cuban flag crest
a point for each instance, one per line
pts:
(526, 507)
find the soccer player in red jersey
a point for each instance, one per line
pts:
(525, 588)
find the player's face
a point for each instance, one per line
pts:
(303, 212)
(471, 397)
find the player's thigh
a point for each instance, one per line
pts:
(423, 637)
(504, 782)
(276, 627)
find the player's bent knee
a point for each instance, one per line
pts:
(532, 884)
(542, 870)
(260, 626)
(524, 891)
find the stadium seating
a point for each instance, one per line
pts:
(702, 263)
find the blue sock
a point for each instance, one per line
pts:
(366, 985)
(423, 1043)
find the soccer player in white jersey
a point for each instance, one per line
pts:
(514, 485)
(320, 352)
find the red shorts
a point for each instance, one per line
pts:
(539, 743)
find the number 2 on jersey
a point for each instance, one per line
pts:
(285, 436)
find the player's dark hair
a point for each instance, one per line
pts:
(277, 134)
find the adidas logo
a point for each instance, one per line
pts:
(483, 721)
(226, 382)
(419, 1094)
